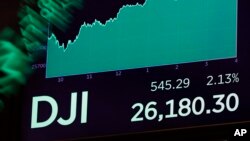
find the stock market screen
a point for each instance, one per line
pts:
(138, 66)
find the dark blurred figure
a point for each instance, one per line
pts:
(13, 62)
(23, 28)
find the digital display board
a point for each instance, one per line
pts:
(127, 67)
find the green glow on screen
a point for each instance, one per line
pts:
(158, 33)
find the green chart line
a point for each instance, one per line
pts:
(158, 33)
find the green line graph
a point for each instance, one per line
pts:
(160, 32)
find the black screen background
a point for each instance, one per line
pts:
(137, 83)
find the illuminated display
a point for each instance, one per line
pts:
(152, 34)
(141, 66)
